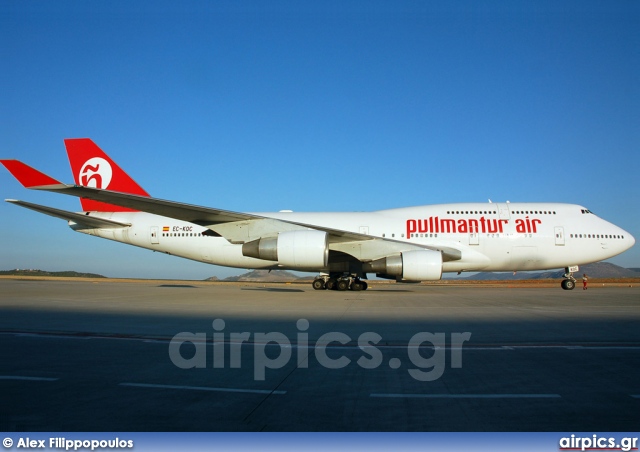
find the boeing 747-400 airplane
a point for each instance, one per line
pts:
(406, 244)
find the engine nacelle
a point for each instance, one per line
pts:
(418, 265)
(292, 249)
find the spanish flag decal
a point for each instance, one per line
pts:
(165, 228)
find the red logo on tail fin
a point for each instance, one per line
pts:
(96, 172)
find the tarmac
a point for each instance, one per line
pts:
(190, 356)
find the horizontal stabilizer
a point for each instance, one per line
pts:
(84, 221)
(29, 177)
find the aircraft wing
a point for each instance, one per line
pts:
(236, 227)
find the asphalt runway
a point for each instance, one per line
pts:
(106, 356)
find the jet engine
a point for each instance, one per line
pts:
(418, 265)
(292, 249)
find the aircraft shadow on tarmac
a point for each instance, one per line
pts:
(271, 289)
(540, 369)
(179, 286)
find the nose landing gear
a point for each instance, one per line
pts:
(569, 282)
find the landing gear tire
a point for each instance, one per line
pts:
(357, 285)
(568, 284)
(365, 286)
(330, 284)
(343, 284)
(318, 284)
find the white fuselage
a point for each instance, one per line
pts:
(491, 237)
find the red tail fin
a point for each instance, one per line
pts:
(91, 167)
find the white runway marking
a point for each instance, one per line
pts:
(203, 388)
(18, 377)
(467, 396)
(384, 346)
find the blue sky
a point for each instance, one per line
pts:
(360, 105)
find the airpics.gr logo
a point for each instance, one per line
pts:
(96, 173)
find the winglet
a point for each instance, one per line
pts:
(29, 177)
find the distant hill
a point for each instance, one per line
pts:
(264, 276)
(597, 270)
(69, 273)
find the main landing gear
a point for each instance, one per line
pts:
(569, 282)
(339, 282)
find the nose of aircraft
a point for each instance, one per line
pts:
(628, 241)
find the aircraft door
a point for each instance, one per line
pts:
(559, 233)
(153, 235)
(474, 236)
(503, 210)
